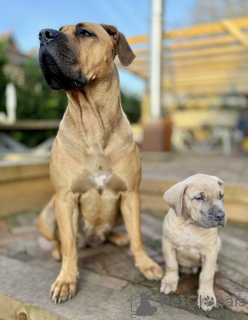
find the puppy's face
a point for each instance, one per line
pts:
(203, 201)
(201, 198)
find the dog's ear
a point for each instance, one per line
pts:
(219, 181)
(174, 197)
(124, 51)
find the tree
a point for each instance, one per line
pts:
(35, 98)
(3, 78)
(131, 106)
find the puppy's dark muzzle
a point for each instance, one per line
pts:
(48, 35)
(220, 217)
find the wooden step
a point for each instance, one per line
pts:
(235, 199)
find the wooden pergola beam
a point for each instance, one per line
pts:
(208, 75)
(220, 40)
(203, 29)
(202, 83)
(194, 31)
(236, 32)
(227, 50)
(203, 86)
(203, 70)
(204, 56)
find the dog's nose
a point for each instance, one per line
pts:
(219, 215)
(46, 35)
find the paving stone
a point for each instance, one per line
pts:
(106, 248)
(189, 283)
(92, 302)
(150, 251)
(159, 259)
(25, 218)
(238, 230)
(232, 287)
(155, 245)
(24, 230)
(7, 252)
(110, 271)
(224, 314)
(17, 238)
(30, 247)
(84, 274)
(239, 255)
(3, 228)
(151, 227)
(233, 275)
(165, 302)
(117, 265)
(239, 243)
(231, 301)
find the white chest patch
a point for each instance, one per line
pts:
(100, 179)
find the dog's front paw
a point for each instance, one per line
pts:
(62, 290)
(150, 269)
(169, 284)
(206, 300)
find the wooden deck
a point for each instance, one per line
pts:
(108, 279)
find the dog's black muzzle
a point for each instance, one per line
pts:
(220, 217)
(58, 62)
(48, 35)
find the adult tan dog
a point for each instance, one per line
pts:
(190, 234)
(95, 163)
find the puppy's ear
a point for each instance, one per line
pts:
(124, 51)
(219, 181)
(174, 197)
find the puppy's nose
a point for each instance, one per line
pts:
(46, 35)
(219, 215)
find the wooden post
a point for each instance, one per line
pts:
(156, 52)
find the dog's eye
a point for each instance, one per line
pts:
(221, 196)
(85, 33)
(199, 198)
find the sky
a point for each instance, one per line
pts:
(132, 17)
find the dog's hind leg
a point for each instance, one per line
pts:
(48, 227)
(119, 239)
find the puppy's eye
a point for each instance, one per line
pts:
(221, 196)
(199, 198)
(85, 33)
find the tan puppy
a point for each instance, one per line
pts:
(190, 233)
(95, 163)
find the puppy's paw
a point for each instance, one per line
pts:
(169, 283)
(63, 290)
(206, 300)
(150, 269)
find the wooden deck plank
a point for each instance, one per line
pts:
(31, 125)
